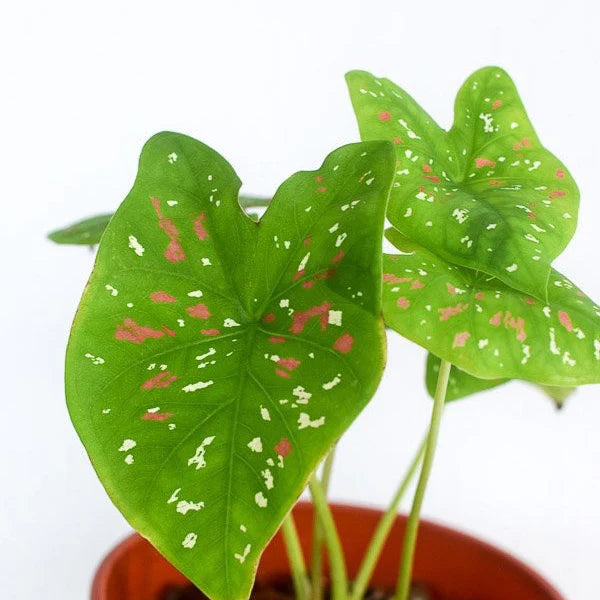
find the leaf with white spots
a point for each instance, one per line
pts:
(235, 353)
(486, 328)
(485, 195)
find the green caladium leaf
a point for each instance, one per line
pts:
(461, 384)
(485, 195)
(486, 328)
(213, 360)
(85, 232)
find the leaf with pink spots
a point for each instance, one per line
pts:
(214, 360)
(486, 194)
(486, 328)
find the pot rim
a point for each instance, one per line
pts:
(132, 539)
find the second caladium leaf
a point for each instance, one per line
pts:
(486, 195)
(485, 327)
(214, 360)
(461, 384)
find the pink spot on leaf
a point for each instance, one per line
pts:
(460, 339)
(403, 303)
(162, 380)
(344, 343)
(384, 116)
(565, 320)
(560, 174)
(174, 251)
(484, 162)
(300, 318)
(288, 363)
(276, 340)
(210, 332)
(282, 373)
(417, 284)
(556, 194)
(510, 322)
(269, 318)
(199, 228)
(398, 140)
(283, 447)
(391, 278)
(162, 297)
(496, 320)
(198, 311)
(433, 178)
(451, 311)
(150, 416)
(524, 143)
(497, 104)
(338, 257)
(130, 331)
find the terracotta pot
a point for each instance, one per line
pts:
(456, 566)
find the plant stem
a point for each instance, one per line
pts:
(410, 535)
(383, 529)
(296, 558)
(254, 201)
(339, 580)
(316, 567)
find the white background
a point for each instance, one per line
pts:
(84, 84)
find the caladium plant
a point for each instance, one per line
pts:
(216, 358)
(214, 361)
(479, 213)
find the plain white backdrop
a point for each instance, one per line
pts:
(84, 84)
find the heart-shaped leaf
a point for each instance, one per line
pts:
(485, 327)
(213, 360)
(485, 195)
(461, 384)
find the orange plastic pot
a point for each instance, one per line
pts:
(455, 566)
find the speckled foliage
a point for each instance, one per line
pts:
(487, 328)
(485, 195)
(213, 360)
